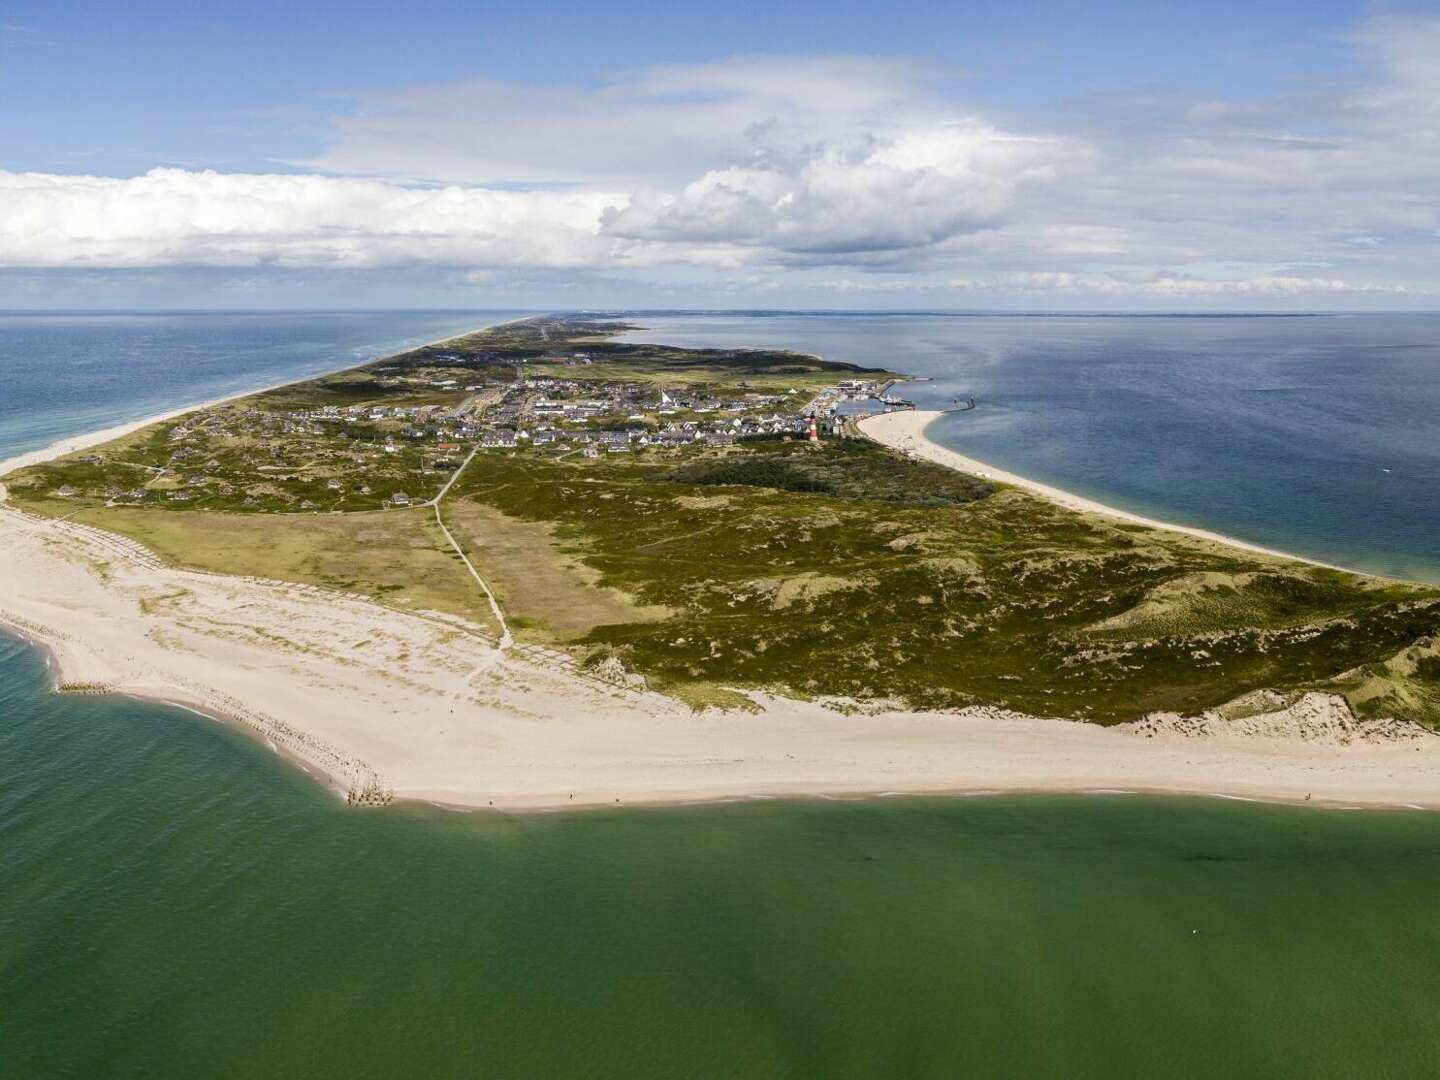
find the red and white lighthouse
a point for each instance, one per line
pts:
(814, 430)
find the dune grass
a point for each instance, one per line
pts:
(1004, 600)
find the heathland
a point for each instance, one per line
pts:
(663, 515)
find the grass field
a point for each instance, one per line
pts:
(547, 592)
(394, 556)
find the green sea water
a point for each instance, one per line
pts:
(177, 902)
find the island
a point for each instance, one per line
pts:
(536, 567)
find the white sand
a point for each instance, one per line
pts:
(360, 691)
(428, 710)
(904, 430)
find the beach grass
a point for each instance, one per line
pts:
(395, 556)
(548, 593)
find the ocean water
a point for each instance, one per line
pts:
(1316, 435)
(175, 901)
(63, 374)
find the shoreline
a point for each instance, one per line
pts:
(71, 444)
(366, 698)
(511, 736)
(52, 651)
(904, 430)
(797, 792)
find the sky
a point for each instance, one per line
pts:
(969, 156)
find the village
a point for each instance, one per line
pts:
(419, 416)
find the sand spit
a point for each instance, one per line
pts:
(391, 704)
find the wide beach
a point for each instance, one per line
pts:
(388, 703)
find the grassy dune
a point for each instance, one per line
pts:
(839, 570)
(1004, 599)
(548, 593)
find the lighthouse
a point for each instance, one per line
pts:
(814, 429)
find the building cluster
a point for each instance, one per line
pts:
(325, 452)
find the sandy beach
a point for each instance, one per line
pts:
(387, 704)
(904, 430)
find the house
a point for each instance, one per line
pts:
(400, 499)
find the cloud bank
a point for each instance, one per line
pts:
(776, 169)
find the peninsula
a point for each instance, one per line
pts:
(537, 567)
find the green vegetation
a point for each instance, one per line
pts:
(547, 595)
(851, 469)
(397, 558)
(1003, 600)
(656, 506)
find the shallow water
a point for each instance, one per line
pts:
(1315, 435)
(175, 901)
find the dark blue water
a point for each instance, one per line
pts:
(64, 374)
(1317, 435)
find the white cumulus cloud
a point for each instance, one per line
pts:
(913, 190)
(749, 172)
(176, 217)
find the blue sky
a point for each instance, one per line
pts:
(937, 155)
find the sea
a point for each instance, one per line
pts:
(1317, 435)
(176, 901)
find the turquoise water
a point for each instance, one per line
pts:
(177, 902)
(1316, 435)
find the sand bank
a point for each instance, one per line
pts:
(386, 701)
(905, 431)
